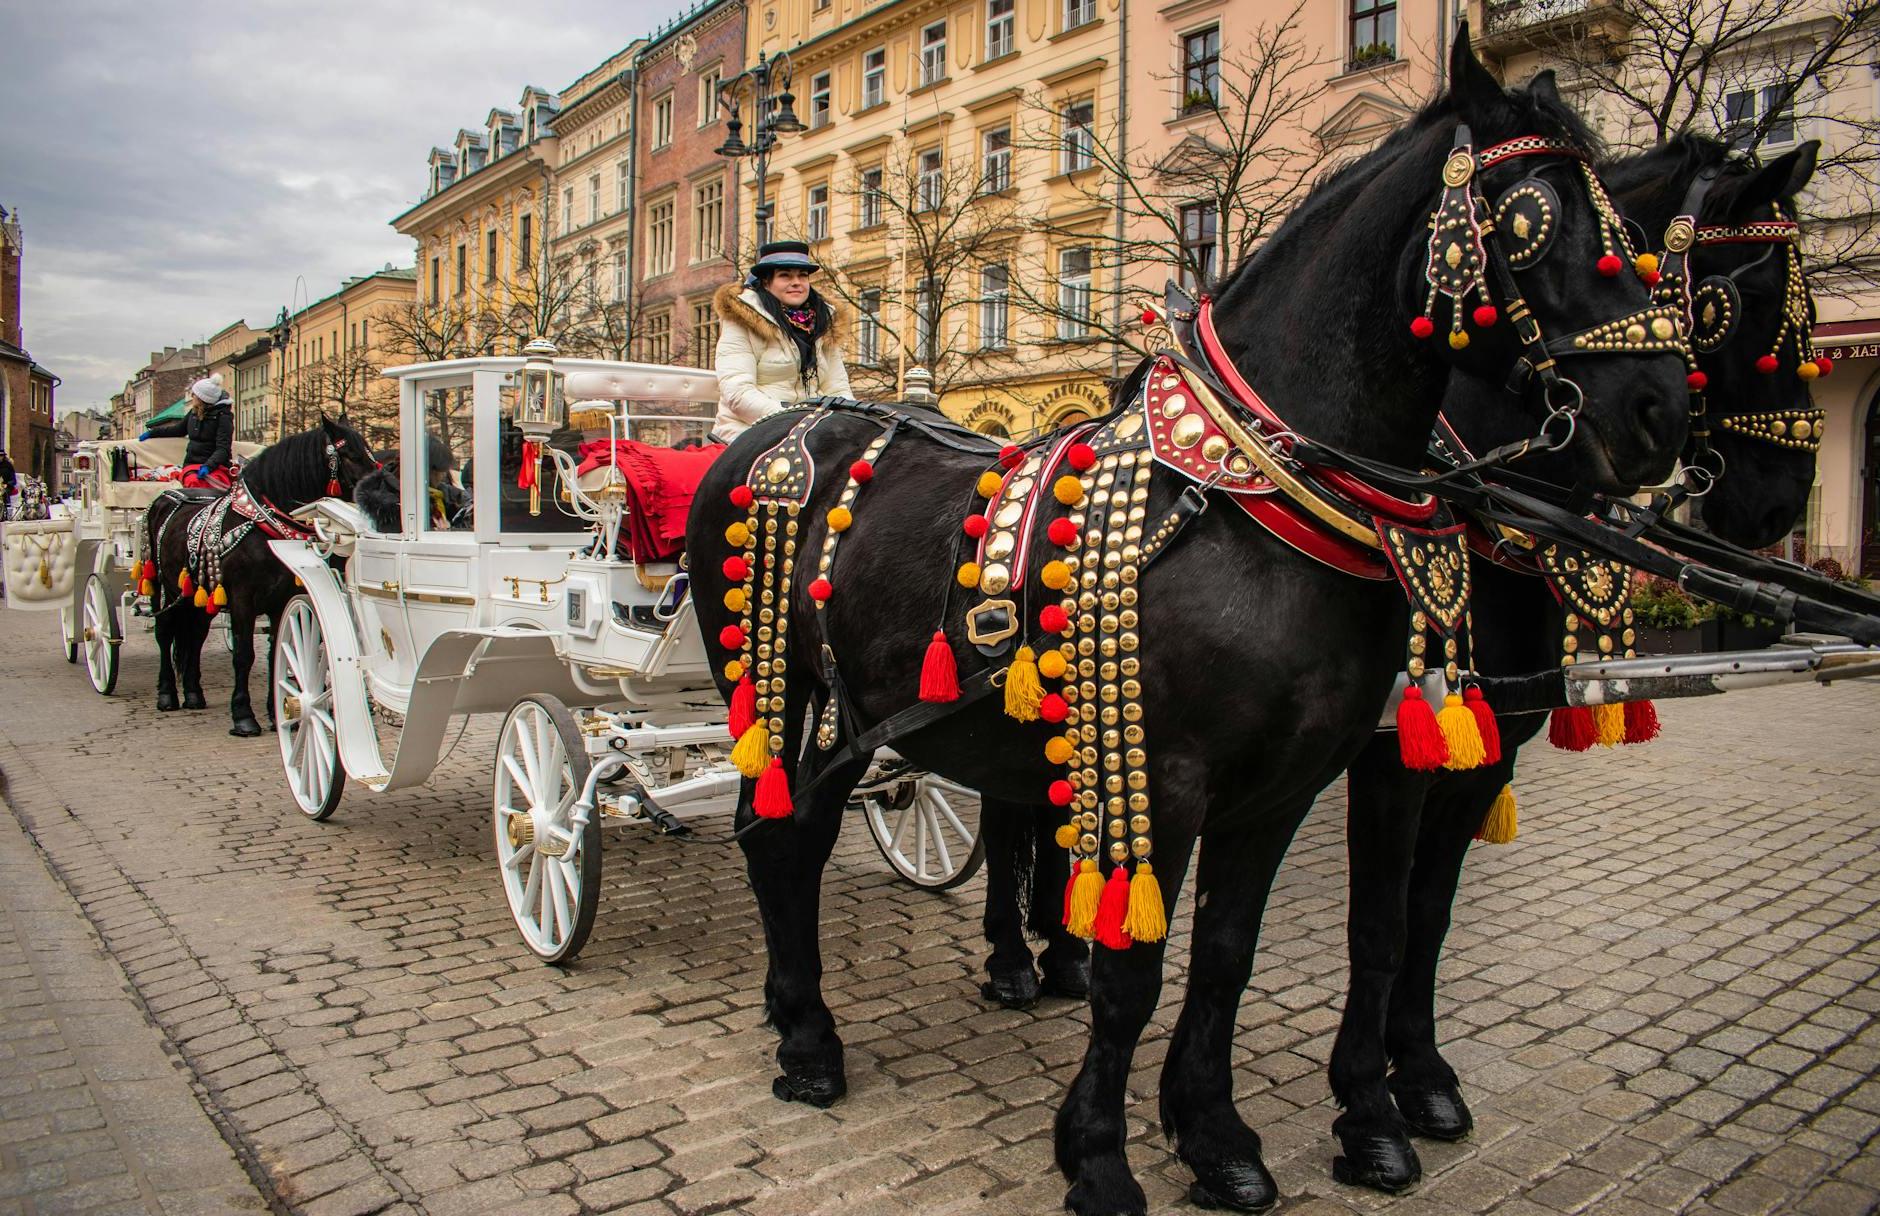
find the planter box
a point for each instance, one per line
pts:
(1738, 636)
(1696, 640)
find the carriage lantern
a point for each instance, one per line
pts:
(541, 410)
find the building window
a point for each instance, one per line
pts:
(816, 206)
(868, 328)
(567, 209)
(1074, 293)
(656, 338)
(996, 168)
(525, 247)
(1080, 141)
(928, 188)
(662, 122)
(489, 256)
(874, 77)
(871, 199)
(926, 323)
(820, 111)
(594, 197)
(1745, 109)
(463, 273)
(708, 82)
(620, 276)
(704, 333)
(1079, 12)
(1201, 70)
(1373, 32)
(993, 307)
(933, 53)
(708, 220)
(659, 238)
(1200, 243)
(999, 22)
(436, 295)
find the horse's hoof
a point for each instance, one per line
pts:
(1016, 990)
(166, 701)
(820, 1092)
(1382, 1161)
(1104, 1188)
(245, 730)
(1241, 1186)
(1435, 1111)
(1072, 981)
(193, 700)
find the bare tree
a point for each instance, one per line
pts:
(420, 332)
(348, 383)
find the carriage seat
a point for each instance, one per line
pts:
(656, 484)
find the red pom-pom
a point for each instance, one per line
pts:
(1485, 316)
(821, 590)
(1610, 265)
(1420, 742)
(772, 800)
(1824, 364)
(1697, 382)
(1062, 533)
(736, 568)
(742, 497)
(1148, 316)
(1650, 277)
(976, 526)
(1060, 793)
(1641, 721)
(939, 675)
(1766, 365)
(1112, 910)
(1422, 327)
(1081, 456)
(861, 471)
(1053, 708)
(1571, 729)
(743, 708)
(1485, 724)
(1053, 619)
(1011, 455)
(731, 637)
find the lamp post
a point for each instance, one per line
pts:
(279, 339)
(766, 86)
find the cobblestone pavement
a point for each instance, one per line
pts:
(1662, 998)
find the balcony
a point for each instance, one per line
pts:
(1515, 25)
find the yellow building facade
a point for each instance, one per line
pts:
(336, 348)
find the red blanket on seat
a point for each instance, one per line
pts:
(660, 486)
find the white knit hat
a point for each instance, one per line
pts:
(209, 391)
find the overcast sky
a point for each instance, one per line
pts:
(177, 164)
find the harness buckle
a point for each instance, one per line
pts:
(991, 621)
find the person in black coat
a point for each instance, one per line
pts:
(208, 460)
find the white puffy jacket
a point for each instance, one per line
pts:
(757, 364)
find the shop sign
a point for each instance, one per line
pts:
(1867, 350)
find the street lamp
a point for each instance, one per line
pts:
(766, 85)
(279, 339)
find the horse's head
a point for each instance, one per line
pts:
(351, 458)
(1525, 278)
(1751, 316)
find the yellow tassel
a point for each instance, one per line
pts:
(1067, 835)
(144, 587)
(1059, 750)
(1501, 825)
(201, 599)
(1146, 921)
(989, 483)
(752, 754)
(1022, 690)
(1052, 664)
(737, 535)
(220, 596)
(1609, 724)
(1462, 734)
(1086, 894)
(840, 518)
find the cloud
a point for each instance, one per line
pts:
(182, 165)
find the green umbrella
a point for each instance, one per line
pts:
(176, 410)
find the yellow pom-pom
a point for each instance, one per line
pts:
(1058, 750)
(752, 754)
(1147, 919)
(1609, 724)
(1501, 825)
(968, 575)
(1458, 339)
(734, 671)
(1645, 263)
(1052, 663)
(1807, 371)
(735, 599)
(737, 535)
(1460, 731)
(1067, 835)
(989, 483)
(1055, 575)
(1068, 490)
(840, 518)
(1023, 693)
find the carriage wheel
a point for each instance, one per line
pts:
(68, 634)
(550, 863)
(928, 830)
(98, 636)
(303, 711)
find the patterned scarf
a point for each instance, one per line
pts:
(804, 326)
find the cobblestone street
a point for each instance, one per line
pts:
(1664, 997)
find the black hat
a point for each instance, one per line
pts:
(783, 255)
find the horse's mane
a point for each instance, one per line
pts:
(294, 470)
(1681, 159)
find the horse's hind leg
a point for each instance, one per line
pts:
(241, 622)
(166, 653)
(1011, 850)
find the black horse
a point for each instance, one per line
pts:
(1251, 639)
(243, 578)
(1409, 832)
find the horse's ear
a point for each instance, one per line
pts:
(326, 424)
(1545, 87)
(1470, 84)
(1782, 178)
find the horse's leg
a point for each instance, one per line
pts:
(1197, 1090)
(241, 621)
(1011, 846)
(784, 859)
(1422, 1083)
(1125, 985)
(167, 652)
(1066, 958)
(1385, 803)
(192, 632)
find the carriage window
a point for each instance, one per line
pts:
(441, 460)
(512, 482)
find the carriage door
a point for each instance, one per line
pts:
(386, 638)
(440, 559)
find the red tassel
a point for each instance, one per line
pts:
(525, 473)
(1571, 729)
(1641, 721)
(150, 570)
(1420, 741)
(1485, 723)
(939, 678)
(772, 800)
(743, 707)
(333, 488)
(1112, 909)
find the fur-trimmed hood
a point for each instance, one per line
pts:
(736, 302)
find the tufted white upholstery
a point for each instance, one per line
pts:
(22, 543)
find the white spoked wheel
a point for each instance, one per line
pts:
(303, 711)
(928, 829)
(68, 633)
(548, 849)
(98, 635)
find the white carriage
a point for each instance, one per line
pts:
(530, 608)
(84, 562)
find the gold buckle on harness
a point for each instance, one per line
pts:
(999, 628)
